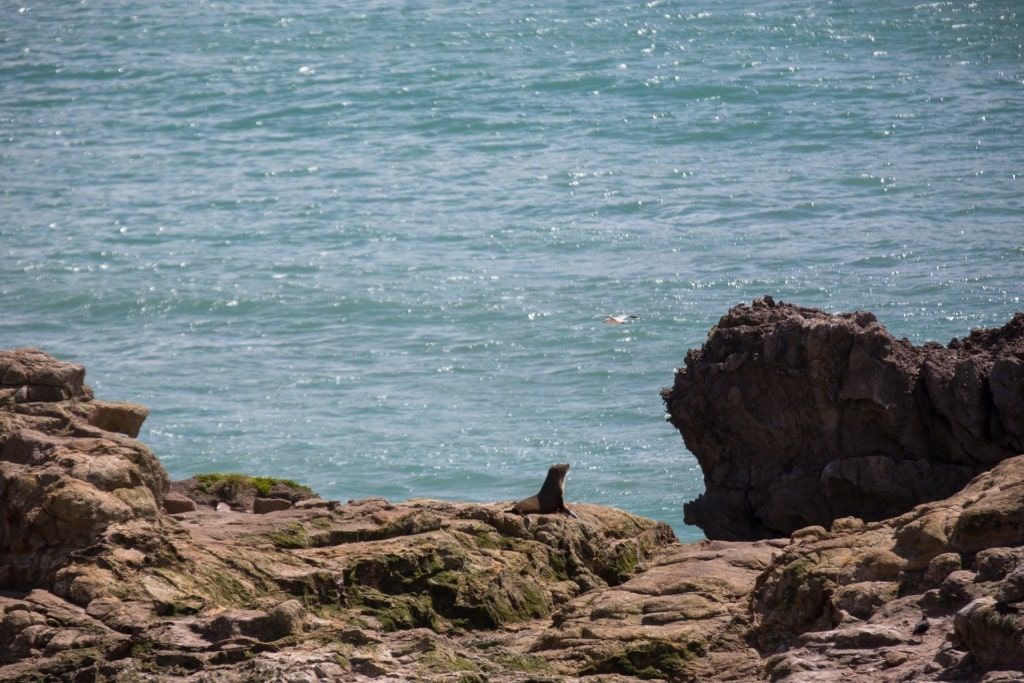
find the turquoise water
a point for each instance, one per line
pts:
(363, 245)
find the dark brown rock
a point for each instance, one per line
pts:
(798, 417)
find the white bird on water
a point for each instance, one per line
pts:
(619, 319)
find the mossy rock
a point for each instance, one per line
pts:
(315, 590)
(488, 602)
(62, 666)
(186, 606)
(778, 667)
(486, 538)
(445, 662)
(292, 536)
(395, 573)
(989, 525)
(402, 612)
(794, 599)
(430, 595)
(229, 486)
(649, 660)
(505, 661)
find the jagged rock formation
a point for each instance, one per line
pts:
(435, 591)
(798, 417)
(66, 474)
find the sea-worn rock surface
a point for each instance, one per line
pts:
(799, 417)
(108, 572)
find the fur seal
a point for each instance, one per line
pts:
(550, 497)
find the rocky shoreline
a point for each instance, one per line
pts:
(109, 572)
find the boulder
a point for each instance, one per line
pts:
(262, 506)
(175, 503)
(993, 632)
(799, 417)
(124, 418)
(843, 605)
(29, 375)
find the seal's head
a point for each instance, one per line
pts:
(557, 473)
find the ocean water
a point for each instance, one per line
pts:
(365, 245)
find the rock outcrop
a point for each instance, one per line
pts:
(66, 474)
(798, 417)
(838, 605)
(97, 577)
(123, 590)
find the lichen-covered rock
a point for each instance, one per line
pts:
(838, 606)
(678, 620)
(211, 584)
(993, 632)
(813, 601)
(994, 520)
(798, 417)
